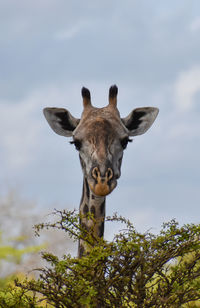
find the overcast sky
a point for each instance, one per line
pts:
(49, 49)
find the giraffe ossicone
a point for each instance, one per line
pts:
(100, 136)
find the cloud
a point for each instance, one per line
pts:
(186, 87)
(195, 25)
(70, 32)
(57, 49)
(22, 123)
(18, 134)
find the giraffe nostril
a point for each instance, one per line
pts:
(109, 174)
(95, 173)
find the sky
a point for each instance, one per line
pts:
(151, 50)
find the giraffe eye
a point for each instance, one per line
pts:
(124, 142)
(77, 144)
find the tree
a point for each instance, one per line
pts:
(19, 249)
(18, 216)
(11, 296)
(134, 270)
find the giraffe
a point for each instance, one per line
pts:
(100, 136)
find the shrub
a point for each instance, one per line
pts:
(134, 270)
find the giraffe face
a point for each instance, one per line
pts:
(101, 139)
(101, 136)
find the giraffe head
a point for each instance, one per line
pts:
(100, 137)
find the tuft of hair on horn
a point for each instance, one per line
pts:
(86, 97)
(113, 95)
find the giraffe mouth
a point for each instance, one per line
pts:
(102, 188)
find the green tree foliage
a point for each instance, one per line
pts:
(134, 270)
(10, 296)
(11, 253)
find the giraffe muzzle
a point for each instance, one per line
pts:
(103, 185)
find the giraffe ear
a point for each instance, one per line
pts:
(61, 121)
(140, 120)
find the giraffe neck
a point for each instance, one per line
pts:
(96, 206)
